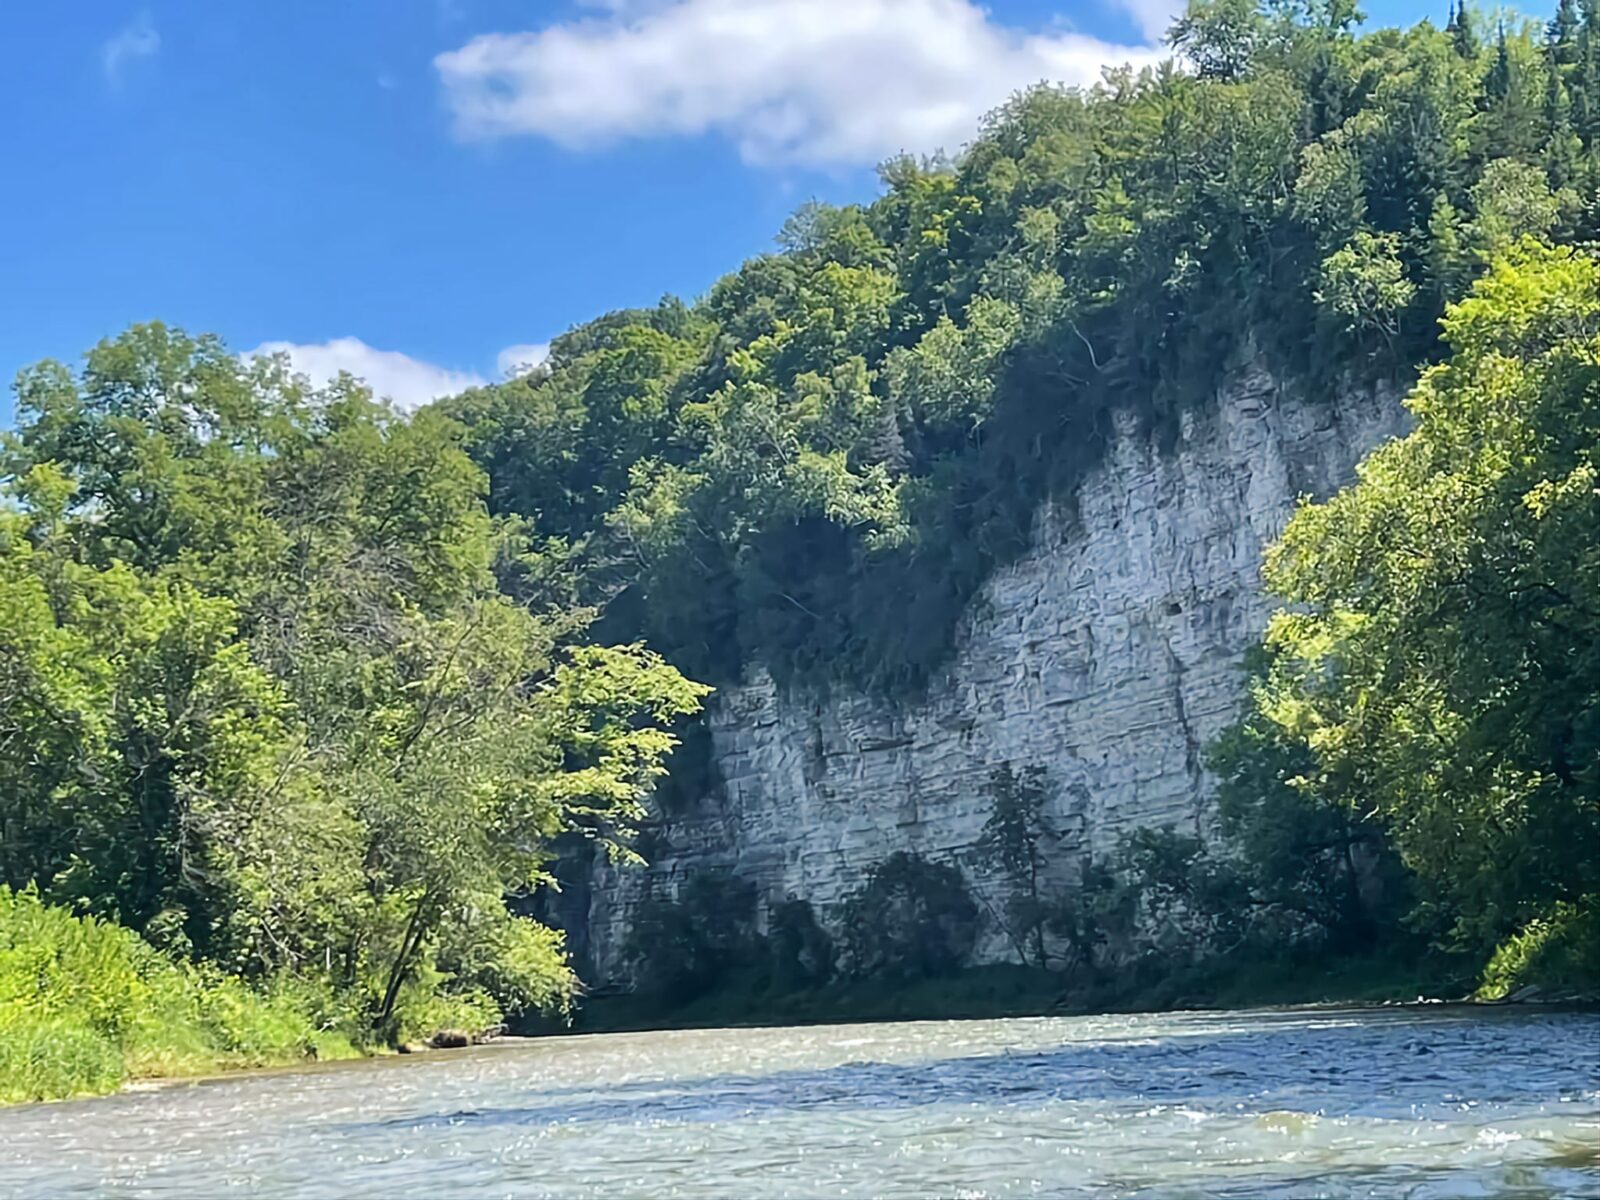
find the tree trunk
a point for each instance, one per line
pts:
(402, 962)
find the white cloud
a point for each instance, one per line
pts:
(137, 40)
(407, 381)
(1154, 17)
(813, 82)
(520, 359)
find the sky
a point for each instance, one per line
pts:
(424, 192)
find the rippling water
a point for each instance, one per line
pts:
(1417, 1103)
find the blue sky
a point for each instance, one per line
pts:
(426, 190)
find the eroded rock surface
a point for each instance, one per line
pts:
(1109, 655)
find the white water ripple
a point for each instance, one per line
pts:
(1421, 1103)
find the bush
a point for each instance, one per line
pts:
(45, 1058)
(800, 951)
(1560, 952)
(1014, 840)
(85, 1005)
(520, 965)
(911, 919)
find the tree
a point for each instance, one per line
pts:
(1463, 32)
(264, 703)
(1013, 840)
(1364, 286)
(1220, 37)
(909, 919)
(1301, 841)
(1511, 201)
(1439, 661)
(1561, 35)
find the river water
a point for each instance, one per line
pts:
(1429, 1102)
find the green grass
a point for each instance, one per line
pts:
(86, 1005)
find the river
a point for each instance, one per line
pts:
(1415, 1102)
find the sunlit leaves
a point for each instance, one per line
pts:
(260, 697)
(1439, 658)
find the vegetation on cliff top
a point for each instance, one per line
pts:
(814, 467)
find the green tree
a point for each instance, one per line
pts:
(1364, 286)
(1220, 37)
(1439, 658)
(909, 919)
(1014, 840)
(265, 703)
(1301, 841)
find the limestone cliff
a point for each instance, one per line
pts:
(1109, 655)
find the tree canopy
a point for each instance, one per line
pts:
(1438, 662)
(261, 698)
(815, 466)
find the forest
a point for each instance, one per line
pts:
(299, 692)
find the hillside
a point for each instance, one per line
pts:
(977, 506)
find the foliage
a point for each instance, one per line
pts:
(1436, 668)
(1554, 952)
(800, 951)
(706, 941)
(1014, 840)
(680, 947)
(1303, 845)
(1095, 916)
(815, 467)
(909, 919)
(262, 701)
(85, 1005)
(1190, 897)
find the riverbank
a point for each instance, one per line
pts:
(1010, 990)
(87, 1007)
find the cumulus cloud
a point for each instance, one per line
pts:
(809, 82)
(138, 40)
(408, 382)
(520, 359)
(1154, 17)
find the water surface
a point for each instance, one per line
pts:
(1417, 1103)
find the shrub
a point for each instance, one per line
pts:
(85, 1005)
(1559, 951)
(1099, 911)
(800, 951)
(1014, 842)
(46, 1058)
(911, 919)
(1193, 897)
(679, 948)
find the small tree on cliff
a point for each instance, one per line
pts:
(1012, 841)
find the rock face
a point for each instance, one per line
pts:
(1109, 656)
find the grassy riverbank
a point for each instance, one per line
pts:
(87, 1006)
(1008, 990)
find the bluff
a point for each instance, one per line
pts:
(1108, 655)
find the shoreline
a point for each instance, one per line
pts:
(514, 1041)
(1000, 991)
(995, 992)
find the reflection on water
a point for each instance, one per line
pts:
(1430, 1103)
